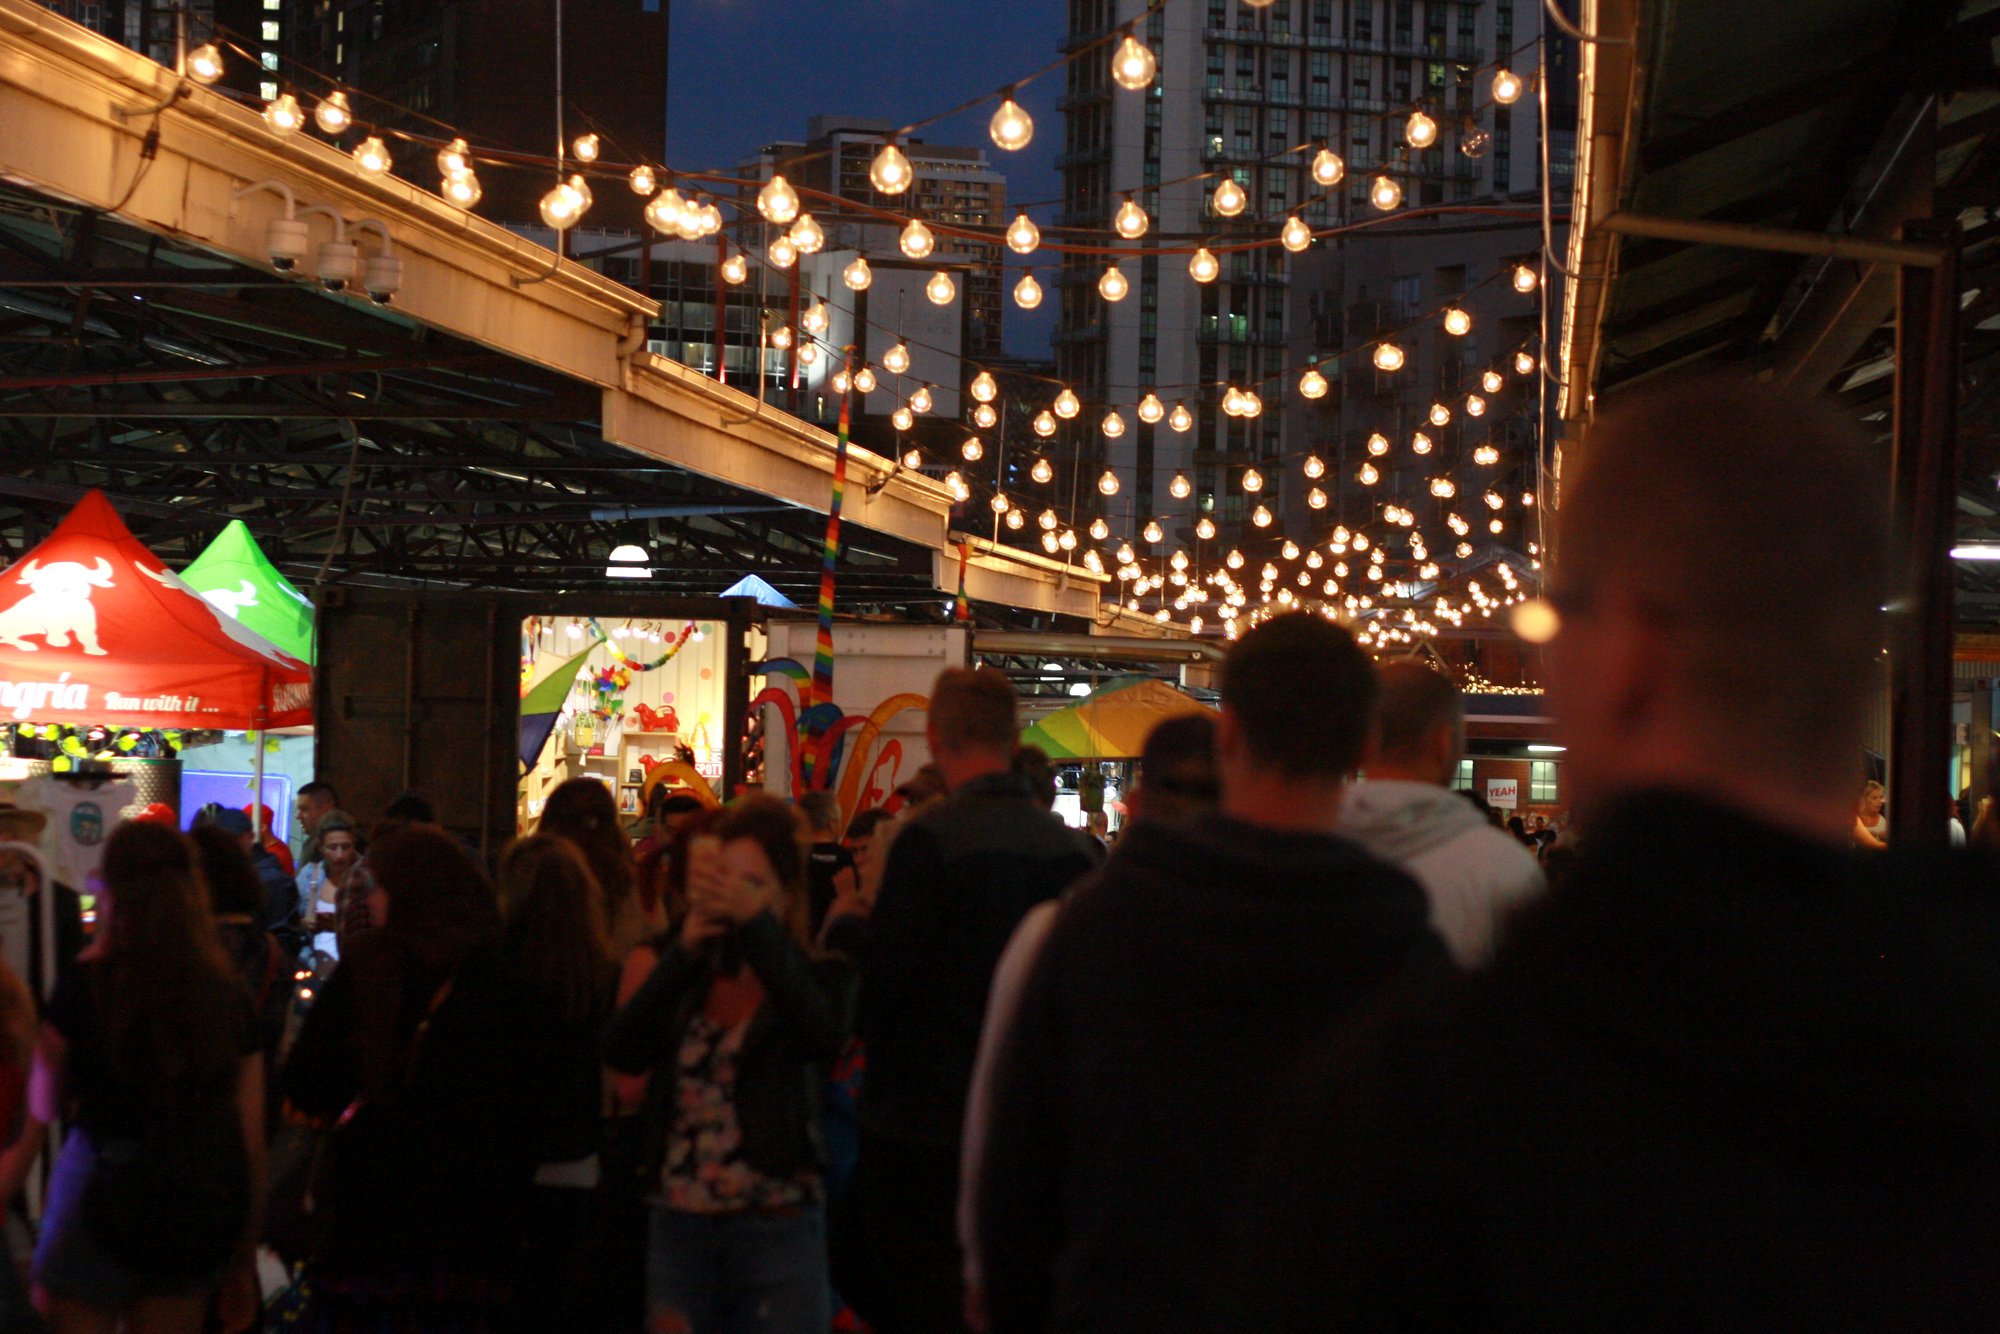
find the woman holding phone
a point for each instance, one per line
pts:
(735, 1020)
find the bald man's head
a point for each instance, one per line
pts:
(1420, 724)
(1730, 540)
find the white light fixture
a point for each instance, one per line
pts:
(333, 115)
(890, 172)
(1327, 168)
(1133, 65)
(1012, 127)
(1023, 235)
(917, 242)
(1131, 221)
(629, 562)
(778, 201)
(1027, 292)
(940, 289)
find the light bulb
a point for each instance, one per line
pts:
(916, 240)
(1027, 292)
(1049, 543)
(1290, 551)
(1229, 199)
(1486, 456)
(1457, 322)
(1369, 474)
(1067, 541)
(1253, 481)
(1048, 520)
(1525, 278)
(1180, 419)
(1440, 414)
(1507, 87)
(921, 400)
(665, 210)
(956, 485)
(1066, 404)
(1420, 131)
(1388, 357)
(1133, 65)
(1113, 426)
(1023, 235)
(1131, 220)
(1496, 527)
(1443, 488)
(896, 360)
(940, 289)
(1180, 488)
(1475, 406)
(983, 388)
(864, 381)
(641, 180)
(778, 201)
(1327, 168)
(1420, 443)
(1113, 286)
(1016, 520)
(781, 338)
(1312, 384)
(1234, 560)
(1261, 517)
(1150, 409)
(857, 275)
(1153, 531)
(1527, 500)
(463, 189)
(913, 459)
(735, 269)
(808, 354)
(1204, 528)
(890, 172)
(1494, 500)
(1045, 425)
(1464, 549)
(814, 320)
(284, 114)
(562, 206)
(842, 382)
(1042, 471)
(984, 417)
(204, 63)
(1232, 402)
(783, 254)
(1295, 235)
(902, 418)
(807, 235)
(972, 451)
(1108, 483)
(1012, 127)
(1473, 141)
(585, 147)
(1491, 382)
(1316, 498)
(1378, 444)
(333, 115)
(1203, 266)
(1099, 530)
(1000, 503)
(1524, 363)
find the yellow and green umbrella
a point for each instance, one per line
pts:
(1112, 723)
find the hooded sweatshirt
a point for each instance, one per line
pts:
(1473, 873)
(1740, 1081)
(1173, 996)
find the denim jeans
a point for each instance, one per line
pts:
(738, 1273)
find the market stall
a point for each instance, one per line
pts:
(1093, 742)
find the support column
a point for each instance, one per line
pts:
(1925, 504)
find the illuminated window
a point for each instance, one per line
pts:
(270, 60)
(1463, 781)
(270, 30)
(1542, 782)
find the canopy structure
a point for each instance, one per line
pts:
(235, 577)
(95, 630)
(1112, 723)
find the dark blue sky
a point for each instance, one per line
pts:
(746, 72)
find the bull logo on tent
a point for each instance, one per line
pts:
(57, 607)
(232, 603)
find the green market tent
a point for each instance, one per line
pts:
(237, 579)
(1112, 723)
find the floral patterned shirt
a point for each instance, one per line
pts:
(704, 1171)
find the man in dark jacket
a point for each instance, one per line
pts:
(958, 880)
(1176, 989)
(1727, 1075)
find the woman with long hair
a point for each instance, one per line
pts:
(150, 1052)
(583, 811)
(408, 1057)
(736, 1021)
(559, 955)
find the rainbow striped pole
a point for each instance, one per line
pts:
(822, 682)
(963, 611)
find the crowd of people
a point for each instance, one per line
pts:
(1314, 1046)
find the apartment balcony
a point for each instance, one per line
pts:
(1084, 157)
(1075, 101)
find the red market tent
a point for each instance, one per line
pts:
(95, 630)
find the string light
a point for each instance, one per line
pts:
(1316, 498)
(1491, 382)
(1486, 456)
(333, 115)
(1290, 551)
(1261, 517)
(1099, 530)
(1023, 235)
(1443, 488)
(864, 380)
(917, 241)
(890, 173)
(1388, 357)
(1011, 127)
(940, 289)
(1107, 484)
(814, 320)
(913, 460)
(1369, 474)
(783, 254)
(463, 189)
(921, 400)
(1313, 384)
(1525, 279)
(1113, 286)
(857, 275)
(1204, 528)
(1475, 406)
(1045, 425)
(1295, 235)
(1229, 199)
(1457, 322)
(778, 201)
(897, 359)
(1314, 468)
(1420, 443)
(1327, 168)
(902, 418)
(1042, 471)
(1253, 481)
(585, 147)
(1016, 520)
(983, 387)
(808, 354)
(1027, 292)
(1378, 444)
(562, 206)
(1133, 65)
(1440, 414)
(984, 417)
(641, 179)
(1507, 86)
(842, 382)
(1113, 426)
(807, 235)
(1153, 532)
(1000, 503)
(1234, 560)
(1067, 541)
(781, 338)
(1131, 221)
(1203, 266)
(1151, 409)
(972, 451)
(1420, 131)
(1066, 404)
(204, 63)
(1524, 363)
(283, 114)
(1494, 500)
(1048, 520)
(736, 269)
(1385, 193)
(1180, 419)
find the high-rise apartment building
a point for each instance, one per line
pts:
(154, 27)
(1251, 94)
